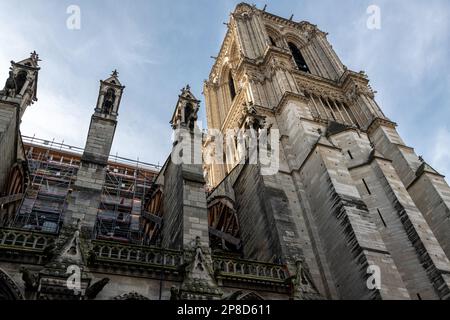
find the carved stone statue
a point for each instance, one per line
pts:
(10, 86)
(30, 279)
(50, 251)
(174, 293)
(189, 116)
(92, 257)
(303, 285)
(108, 102)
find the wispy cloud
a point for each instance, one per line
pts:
(159, 46)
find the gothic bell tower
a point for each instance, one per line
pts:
(185, 115)
(86, 195)
(104, 121)
(21, 86)
(184, 173)
(19, 92)
(347, 193)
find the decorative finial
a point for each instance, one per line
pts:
(188, 87)
(292, 17)
(34, 56)
(265, 6)
(115, 73)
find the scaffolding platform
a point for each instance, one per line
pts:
(53, 170)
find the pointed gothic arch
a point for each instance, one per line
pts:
(8, 288)
(14, 187)
(21, 78)
(251, 296)
(228, 88)
(152, 218)
(275, 37)
(109, 100)
(246, 296)
(298, 57)
(231, 86)
(223, 223)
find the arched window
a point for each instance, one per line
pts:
(21, 78)
(272, 41)
(298, 57)
(231, 86)
(109, 100)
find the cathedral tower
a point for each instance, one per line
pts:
(19, 92)
(86, 195)
(349, 196)
(184, 173)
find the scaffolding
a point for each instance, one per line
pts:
(51, 179)
(53, 169)
(124, 191)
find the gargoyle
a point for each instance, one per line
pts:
(93, 290)
(10, 86)
(92, 258)
(303, 285)
(175, 294)
(50, 251)
(30, 279)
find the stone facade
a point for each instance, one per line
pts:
(348, 202)
(349, 194)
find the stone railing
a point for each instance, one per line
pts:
(24, 240)
(107, 252)
(136, 255)
(251, 270)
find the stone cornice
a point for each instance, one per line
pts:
(314, 147)
(424, 170)
(288, 96)
(319, 86)
(373, 156)
(377, 122)
(13, 102)
(343, 130)
(304, 26)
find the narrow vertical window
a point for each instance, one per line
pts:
(231, 86)
(272, 41)
(367, 187)
(298, 57)
(382, 219)
(21, 78)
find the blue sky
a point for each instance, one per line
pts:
(159, 46)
